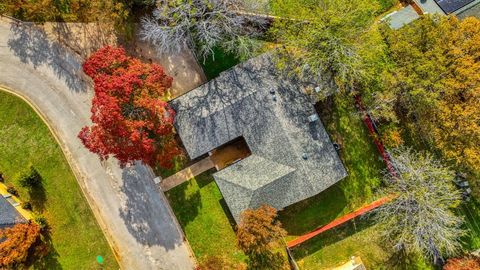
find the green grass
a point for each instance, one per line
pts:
(471, 213)
(25, 140)
(201, 211)
(218, 62)
(385, 5)
(359, 238)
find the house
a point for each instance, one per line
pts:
(291, 157)
(9, 216)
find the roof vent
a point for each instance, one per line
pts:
(312, 118)
(305, 156)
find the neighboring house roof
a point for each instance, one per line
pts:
(450, 6)
(461, 8)
(471, 10)
(444, 7)
(292, 158)
(9, 216)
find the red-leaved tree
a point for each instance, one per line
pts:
(131, 117)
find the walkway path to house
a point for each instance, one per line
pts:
(186, 174)
(135, 217)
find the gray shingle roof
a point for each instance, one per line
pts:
(276, 128)
(450, 6)
(8, 214)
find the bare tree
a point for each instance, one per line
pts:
(204, 24)
(421, 218)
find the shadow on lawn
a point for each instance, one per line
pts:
(185, 203)
(229, 215)
(50, 261)
(38, 198)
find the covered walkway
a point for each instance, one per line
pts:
(186, 174)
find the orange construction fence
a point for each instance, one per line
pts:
(339, 221)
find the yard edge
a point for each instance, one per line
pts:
(76, 172)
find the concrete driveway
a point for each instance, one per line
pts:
(134, 215)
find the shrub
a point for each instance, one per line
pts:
(19, 241)
(2, 179)
(31, 180)
(465, 263)
(42, 222)
(27, 205)
(12, 190)
(392, 138)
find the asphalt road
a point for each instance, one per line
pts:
(134, 215)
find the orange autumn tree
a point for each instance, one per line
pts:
(19, 242)
(258, 236)
(465, 263)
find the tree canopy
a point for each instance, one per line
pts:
(258, 236)
(202, 25)
(70, 11)
(433, 90)
(421, 218)
(468, 262)
(131, 117)
(324, 39)
(17, 243)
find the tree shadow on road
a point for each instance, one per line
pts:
(145, 212)
(32, 46)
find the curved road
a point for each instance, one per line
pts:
(135, 217)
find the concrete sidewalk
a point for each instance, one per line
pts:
(135, 217)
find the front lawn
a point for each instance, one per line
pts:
(201, 211)
(25, 140)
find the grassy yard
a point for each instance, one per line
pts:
(201, 211)
(218, 62)
(25, 140)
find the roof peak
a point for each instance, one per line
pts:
(254, 172)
